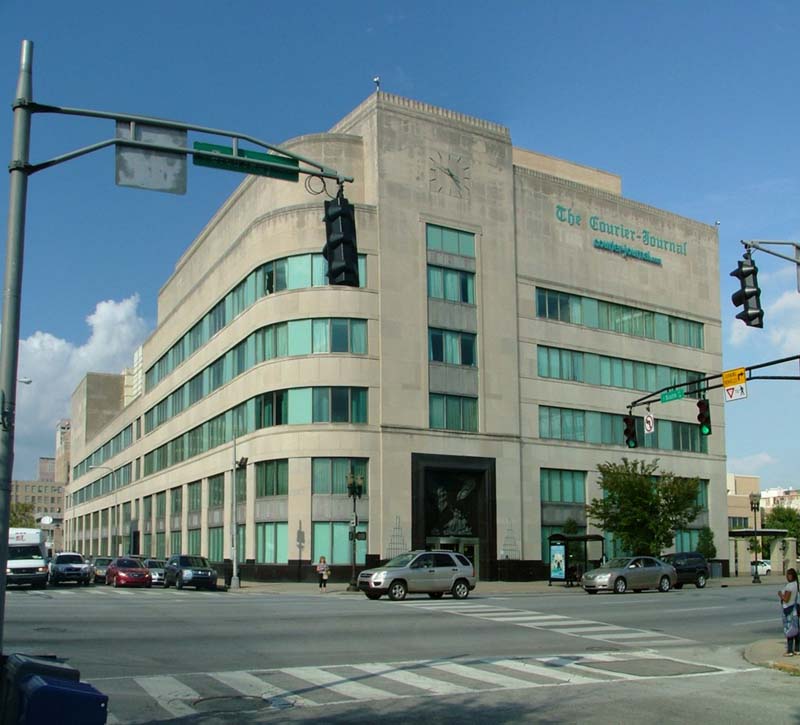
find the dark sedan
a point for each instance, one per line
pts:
(128, 572)
(189, 571)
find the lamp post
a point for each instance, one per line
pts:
(355, 489)
(755, 505)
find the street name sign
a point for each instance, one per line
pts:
(735, 392)
(730, 378)
(227, 161)
(676, 394)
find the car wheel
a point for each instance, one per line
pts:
(435, 595)
(460, 589)
(678, 586)
(179, 582)
(398, 591)
(664, 585)
(701, 581)
(373, 595)
(620, 586)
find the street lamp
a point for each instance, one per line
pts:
(755, 505)
(355, 488)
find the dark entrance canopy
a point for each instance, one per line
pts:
(750, 533)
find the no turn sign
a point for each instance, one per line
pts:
(649, 424)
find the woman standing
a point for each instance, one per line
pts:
(323, 571)
(789, 598)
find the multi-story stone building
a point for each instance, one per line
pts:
(511, 306)
(46, 496)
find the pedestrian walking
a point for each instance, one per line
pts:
(789, 602)
(323, 571)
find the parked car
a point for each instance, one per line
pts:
(70, 566)
(434, 573)
(630, 572)
(691, 567)
(99, 565)
(128, 572)
(156, 567)
(184, 570)
(764, 567)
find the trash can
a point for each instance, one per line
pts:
(18, 667)
(716, 569)
(45, 700)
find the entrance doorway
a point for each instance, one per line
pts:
(468, 546)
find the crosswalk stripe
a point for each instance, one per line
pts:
(254, 686)
(543, 671)
(413, 679)
(323, 678)
(633, 635)
(596, 628)
(562, 624)
(535, 617)
(572, 664)
(473, 673)
(170, 693)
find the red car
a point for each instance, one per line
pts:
(128, 572)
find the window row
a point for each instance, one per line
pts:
(451, 241)
(453, 412)
(452, 347)
(608, 429)
(331, 475)
(292, 406)
(108, 483)
(738, 522)
(601, 315)
(561, 486)
(296, 272)
(296, 337)
(584, 367)
(108, 450)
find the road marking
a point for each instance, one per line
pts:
(575, 665)
(543, 671)
(390, 672)
(170, 693)
(693, 609)
(473, 673)
(323, 678)
(253, 686)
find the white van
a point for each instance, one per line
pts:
(26, 558)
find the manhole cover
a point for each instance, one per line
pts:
(278, 703)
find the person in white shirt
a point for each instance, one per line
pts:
(789, 598)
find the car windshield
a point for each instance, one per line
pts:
(129, 564)
(24, 552)
(400, 561)
(154, 564)
(620, 563)
(102, 561)
(194, 561)
(69, 559)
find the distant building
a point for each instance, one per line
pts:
(63, 438)
(786, 497)
(47, 498)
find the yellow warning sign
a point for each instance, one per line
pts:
(737, 376)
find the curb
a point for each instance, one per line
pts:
(768, 653)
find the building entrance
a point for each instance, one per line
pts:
(468, 546)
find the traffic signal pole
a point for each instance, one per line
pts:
(9, 338)
(762, 245)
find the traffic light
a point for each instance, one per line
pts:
(704, 417)
(630, 431)
(340, 249)
(749, 296)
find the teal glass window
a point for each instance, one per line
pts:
(299, 272)
(331, 540)
(216, 490)
(216, 543)
(562, 486)
(451, 347)
(451, 241)
(272, 543)
(272, 478)
(329, 475)
(453, 412)
(175, 541)
(452, 285)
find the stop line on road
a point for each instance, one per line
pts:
(176, 696)
(558, 623)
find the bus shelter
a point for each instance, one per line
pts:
(573, 554)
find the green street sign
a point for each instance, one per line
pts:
(227, 161)
(676, 394)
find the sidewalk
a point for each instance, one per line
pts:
(770, 653)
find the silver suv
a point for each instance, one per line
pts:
(425, 572)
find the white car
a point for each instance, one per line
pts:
(762, 566)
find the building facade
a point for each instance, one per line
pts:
(46, 496)
(511, 306)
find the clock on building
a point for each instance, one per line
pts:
(449, 174)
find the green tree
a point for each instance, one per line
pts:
(705, 543)
(784, 518)
(21, 516)
(642, 506)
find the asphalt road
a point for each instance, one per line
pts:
(216, 657)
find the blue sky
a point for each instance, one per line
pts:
(693, 104)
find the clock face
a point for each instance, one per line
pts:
(449, 174)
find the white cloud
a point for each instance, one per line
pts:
(56, 366)
(750, 465)
(783, 317)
